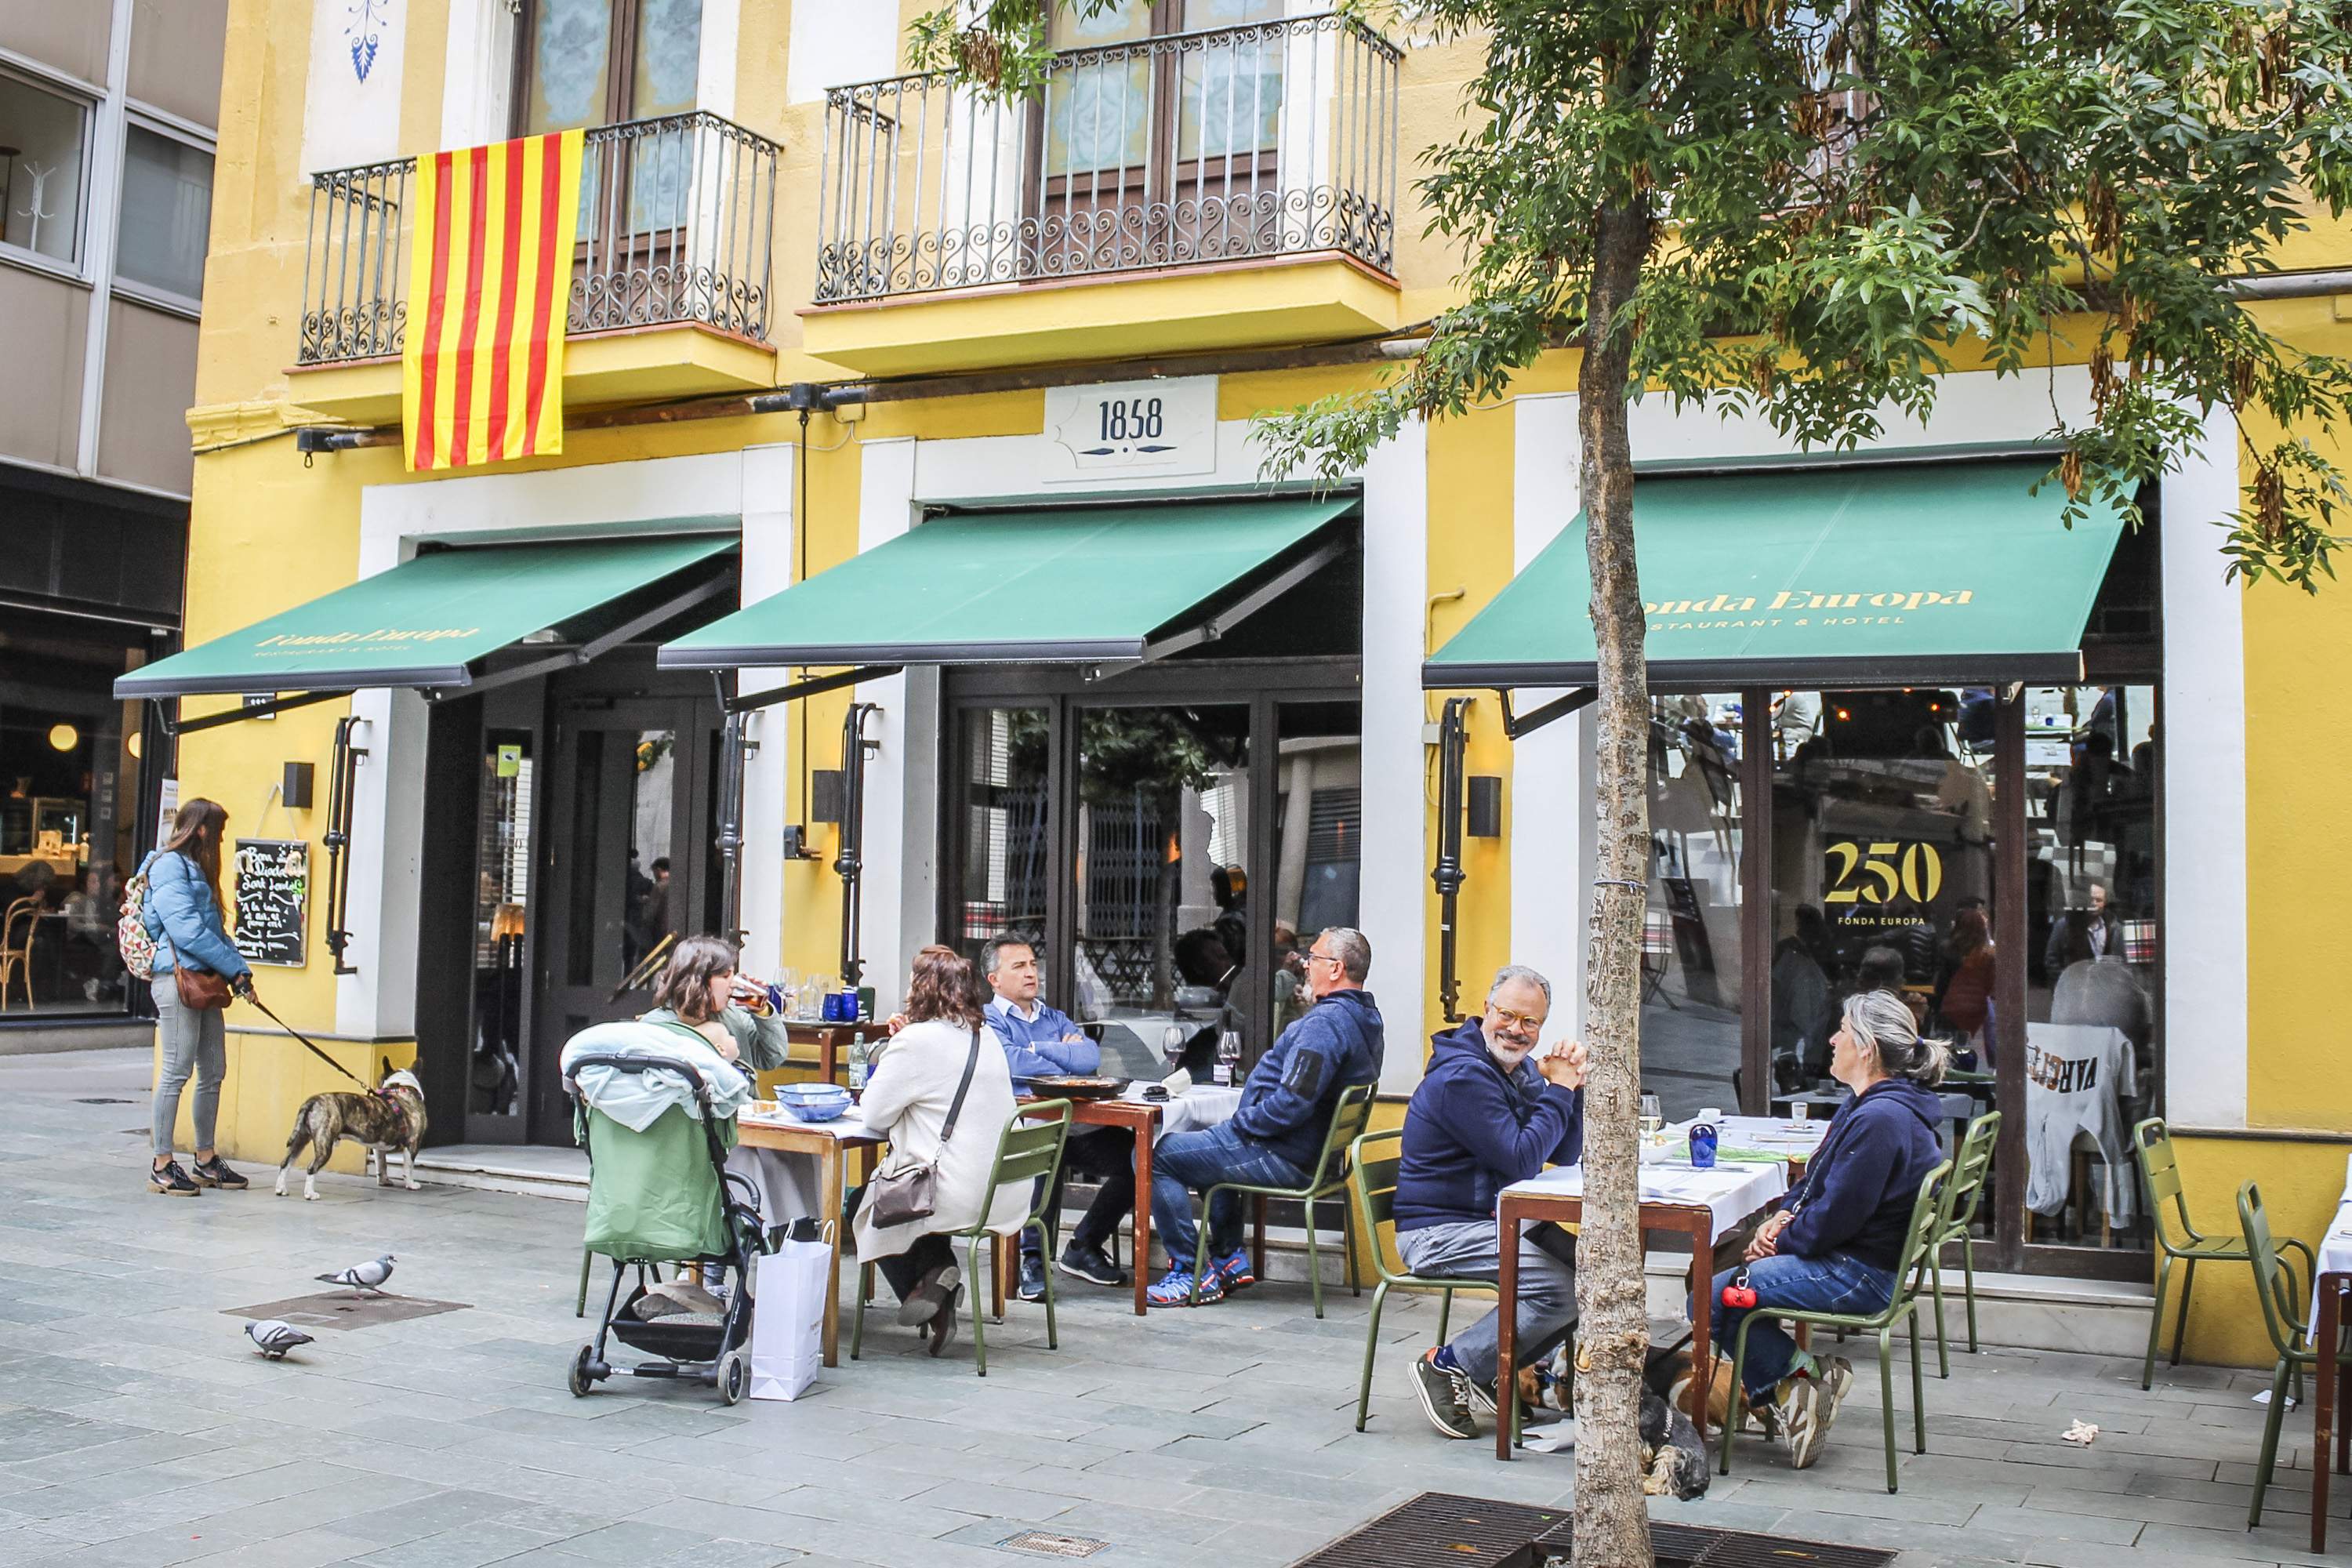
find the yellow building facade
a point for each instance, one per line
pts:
(1050, 323)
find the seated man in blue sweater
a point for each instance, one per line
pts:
(1489, 1112)
(1040, 1040)
(1277, 1132)
(1838, 1240)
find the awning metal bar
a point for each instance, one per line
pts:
(237, 715)
(594, 649)
(1248, 604)
(1518, 724)
(810, 688)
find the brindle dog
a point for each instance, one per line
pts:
(392, 1117)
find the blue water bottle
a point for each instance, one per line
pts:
(1701, 1145)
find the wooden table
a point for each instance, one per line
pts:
(2331, 1383)
(1141, 1119)
(828, 1143)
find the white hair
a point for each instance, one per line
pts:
(1519, 972)
(1883, 1021)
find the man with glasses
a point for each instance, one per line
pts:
(1276, 1136)
(1489, 1112)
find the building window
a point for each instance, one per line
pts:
(43, 138)
(604, 62)
(167, 203)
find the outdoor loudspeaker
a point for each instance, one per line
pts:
(825, 795)
(1485, 805)
(296, 791)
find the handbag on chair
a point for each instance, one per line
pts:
(904, 1195)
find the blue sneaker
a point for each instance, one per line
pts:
(1233, 1270)
(1175, 1288)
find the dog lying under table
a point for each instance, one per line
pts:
(392, 1117)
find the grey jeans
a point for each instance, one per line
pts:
(194, 1044)
(1473, 1250)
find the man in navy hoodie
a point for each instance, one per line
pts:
(1278, 1134)
(1488, 1112)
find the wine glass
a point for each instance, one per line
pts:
(1653, 1119)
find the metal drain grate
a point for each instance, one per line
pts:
(1704, 1546)
(1046, 1545)
(1442, 1528)
(105, 1099)
(346, 1309)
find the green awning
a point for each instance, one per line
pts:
(427, 622)
(1873, 576)
(1064, 585)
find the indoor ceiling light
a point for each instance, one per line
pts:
(64, 737)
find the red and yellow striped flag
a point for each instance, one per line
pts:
(490, 280)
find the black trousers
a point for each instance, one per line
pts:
(1106, 1154)
(906, 1272)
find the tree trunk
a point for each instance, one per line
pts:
(1612, 1526)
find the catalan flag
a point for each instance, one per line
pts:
(489, 283)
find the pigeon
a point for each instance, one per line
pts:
(368, 1277)
(273, 1338)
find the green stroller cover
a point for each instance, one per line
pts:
(653, 1196)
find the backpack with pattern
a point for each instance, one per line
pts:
(130, 936)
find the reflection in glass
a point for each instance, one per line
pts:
(502, 871)
(1001, 846)
(1691, 969)
(655, 915)
(570, 55)
(1318, 842)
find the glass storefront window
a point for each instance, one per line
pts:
(71, 784)
(1000, 842)
(1691, 944)
(503, 897)
(1318, 843)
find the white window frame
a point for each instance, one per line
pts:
(31, 73)
(172, 128)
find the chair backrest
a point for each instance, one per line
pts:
(1969, 1166)
(1031, 1144)
(1350, 1114)
(2160, 1169)
(21, 920)
(1374, 1159)
(1931, 1211)
(2275, 1281)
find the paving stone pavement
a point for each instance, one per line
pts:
(138, 1430)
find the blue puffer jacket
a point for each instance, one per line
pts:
(1471, 1129)
(184, 920)
(1286, 1100)
(1860, 1186)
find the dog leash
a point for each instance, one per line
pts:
(249, 997)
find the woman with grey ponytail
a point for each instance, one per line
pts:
(1837, 1241)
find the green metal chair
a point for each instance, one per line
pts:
(1374, 1158)
(2285, 1300)
(1349, 1115)
(1970, 1164)
(2152, 1145)
(1029, 1148)
(1930, 1212)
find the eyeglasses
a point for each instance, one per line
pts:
(1322, 958)
(1506, 1019)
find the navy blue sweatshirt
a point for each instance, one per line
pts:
(1471, 1129)
(1858, 1190)
(1286, 1100)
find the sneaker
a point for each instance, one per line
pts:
(938, 1287)
(1233, 1270)
(943, 1323)
(214, 1172)
(1445, 1393)
(1805, 1408)
(1836, 1376)
(1175, 1288)
(1031, 1286)
(172, 1182)
(1091, 1264)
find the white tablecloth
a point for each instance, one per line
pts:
(787, 1183)
(1734, 1192)
(1202, 1105)
(2335, 1248)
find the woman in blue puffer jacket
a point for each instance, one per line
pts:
(183, 915)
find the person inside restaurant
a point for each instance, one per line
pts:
(1488, 1112)
(1277, 1133)
(1040, 1040)
(1835, 1245)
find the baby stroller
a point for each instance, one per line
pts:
(664, 1195)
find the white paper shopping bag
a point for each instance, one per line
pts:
(788, 1317)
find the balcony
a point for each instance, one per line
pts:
(1223, 188)
(669, 280)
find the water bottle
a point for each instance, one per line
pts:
(1229, 1058)
(857, 1064)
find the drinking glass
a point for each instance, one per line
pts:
(1653, 1119)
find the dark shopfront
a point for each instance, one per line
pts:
(1811, 826)
(89, 590)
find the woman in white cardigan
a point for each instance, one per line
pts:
(908, 1097)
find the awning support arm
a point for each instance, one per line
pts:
(1248, 604)
(177, 727)
(810, 688)
(1518, 724)
(595, 647)
(1453, 743)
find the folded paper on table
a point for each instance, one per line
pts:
(1732, 1193)
(788, 1318)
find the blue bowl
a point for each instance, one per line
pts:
(814, 1101)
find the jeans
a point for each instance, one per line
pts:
(1473, 1249)
(1106, 1154)
(1837, 1283)
(193, 1043)
(1184, 1162)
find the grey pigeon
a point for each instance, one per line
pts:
(368, 1277)
(273, 1338)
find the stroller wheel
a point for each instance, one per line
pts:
(578, 1380)
(734, 1377)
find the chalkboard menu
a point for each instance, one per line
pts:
(273, 899)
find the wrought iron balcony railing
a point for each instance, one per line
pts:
(677, 224)
(1274, 138)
